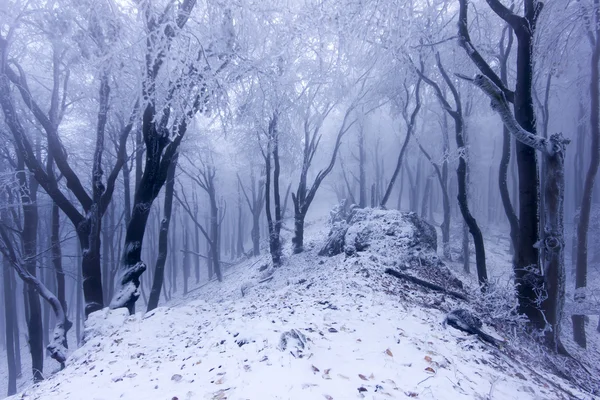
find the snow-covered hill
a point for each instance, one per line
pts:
(349, 331)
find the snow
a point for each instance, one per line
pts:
(350, 331)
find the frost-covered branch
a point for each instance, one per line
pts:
(500, 105)
(58, 344)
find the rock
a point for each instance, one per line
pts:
(335, 240)
(392, 238)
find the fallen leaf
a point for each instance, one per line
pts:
(220, 381)
(328, 397)
(307, 385)
(429, 369)
(428, 359)
(327, 370)
(411, 394)
(371, 376)
(364, 378)
(176, 377)
(315, 369)
(362, 389)
(389, 353)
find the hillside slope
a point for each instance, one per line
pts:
(350, 331)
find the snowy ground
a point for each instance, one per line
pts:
(368, 335)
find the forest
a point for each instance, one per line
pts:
(151, 146)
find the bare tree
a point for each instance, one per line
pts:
(88, 223)
(163, 248)
(162, 134)
(593, 33)
(527, 264)
(457, 115)
(410, 127)
(553, 149)
(58, 345)
(304, 195)
(256, 203)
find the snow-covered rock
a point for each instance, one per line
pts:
(398, 240)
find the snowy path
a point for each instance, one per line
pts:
(361, 343)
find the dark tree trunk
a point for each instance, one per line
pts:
(10, 322)
(127, 192)
(462, 170)
(163, 237)
(426, 199)
(35, 328)
(274, 225)
(462, 174)
(412, 199)
(215, 234)
(578, 178)
(196, 240)
(401, 190)
(444, 186)
(466, 254)
(79, 300)
(553, 149)
(527, 254)
(186, 259)
(239, 245)
(527, 263)
(588, 189)
(373, 196)
(209, 259)
(58, 344)
(362, 175)
(57, 257)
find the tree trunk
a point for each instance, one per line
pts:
(127, 192)
(57, 256)
(255, 234)
(163, 237)
(554, 152)
(196, 242)
(426, 199)
(588, 189)
(527, 254)
(554, 268)
(465, 248)
(239, 248)
(215, 235)
(29, 249)
(273, 224)
(79, 300)
(10, 322)
(362, 176)
(410, 127)
(58, 345)
(186, 259)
